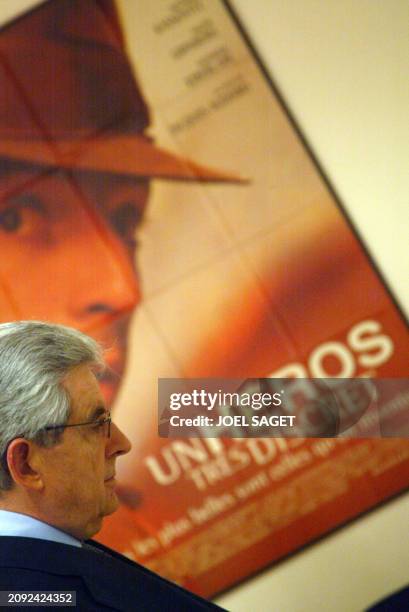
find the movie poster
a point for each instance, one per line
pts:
(157, 195)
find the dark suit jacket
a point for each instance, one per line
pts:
(397, 602)
(102, 580)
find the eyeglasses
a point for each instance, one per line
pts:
(104, 422)
(99, 423)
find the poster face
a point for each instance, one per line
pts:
(158, 131)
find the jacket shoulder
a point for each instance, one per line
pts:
(22, 579)
(108, 577)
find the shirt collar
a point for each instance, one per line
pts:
(21, 525)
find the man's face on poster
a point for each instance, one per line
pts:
(68, 243)
(76, 159)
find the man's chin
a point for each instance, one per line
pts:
(111, 503)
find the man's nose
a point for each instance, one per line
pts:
(118, 442)
(106, 284)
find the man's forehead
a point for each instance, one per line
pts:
(83, 388)
(17, 178)
(99, 178)
(17, 171)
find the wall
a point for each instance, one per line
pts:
(342, 69)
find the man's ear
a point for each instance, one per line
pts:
(22, 465)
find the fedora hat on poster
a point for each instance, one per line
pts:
(69, 98)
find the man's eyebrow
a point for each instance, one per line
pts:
(97, 412)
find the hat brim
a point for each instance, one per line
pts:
(125, 154)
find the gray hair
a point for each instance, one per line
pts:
(34, 359)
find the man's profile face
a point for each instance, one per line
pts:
(78, 473)
(68, 241)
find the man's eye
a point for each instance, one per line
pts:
(100, 425)
(11, 220)
(124, 219)
(23, 216)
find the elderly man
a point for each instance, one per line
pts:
(58, 452)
